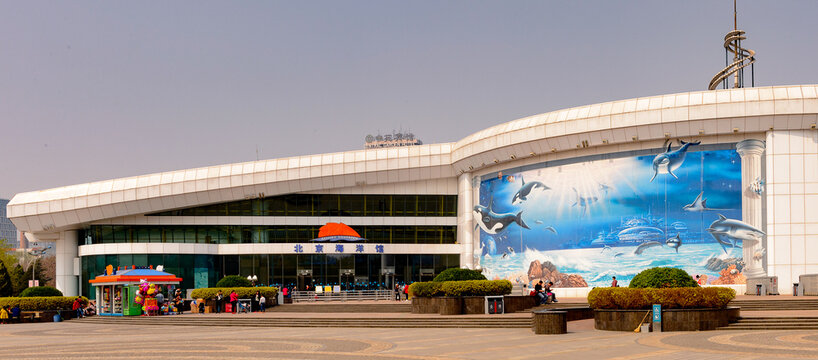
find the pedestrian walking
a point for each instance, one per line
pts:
(262, 303)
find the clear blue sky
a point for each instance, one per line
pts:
(93, 90)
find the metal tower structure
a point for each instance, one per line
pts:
(741, 59)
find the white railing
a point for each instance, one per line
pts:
(299, 296)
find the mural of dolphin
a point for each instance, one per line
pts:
(530, 188)
(669, 161)
(493, 223)
(674, 242)
(584, 201)
(700, 204)
(646, 245)
(727, 231)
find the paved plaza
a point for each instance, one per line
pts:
(88, 339)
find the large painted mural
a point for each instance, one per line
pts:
(581, 223)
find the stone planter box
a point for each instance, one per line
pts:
(517, 303)
(425, 305)
(450, 305)
(472, 304)
(672, 319)
(549, 322)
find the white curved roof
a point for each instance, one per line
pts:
(701, 113)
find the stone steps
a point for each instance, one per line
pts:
(775, 305)
(426, 322)
(774, 323)
(396, 307)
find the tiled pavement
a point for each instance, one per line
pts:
(78, 339)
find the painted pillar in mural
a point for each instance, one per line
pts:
(465, 224)
(751, 210)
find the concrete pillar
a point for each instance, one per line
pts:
(751, 206)
(66, 281)
(465, 220)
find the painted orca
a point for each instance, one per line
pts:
(733, 230)
(674, 242)
(493, 223)
(646, 245)
(510, 250)
(700, 204)
(529, 189)
(668, 161)
(505, 255)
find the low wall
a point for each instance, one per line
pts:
(672, 319)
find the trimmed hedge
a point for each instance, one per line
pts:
(42, 302)
(461, 288)
(38, 291)
(242, 292)
(663, 277)
(455, 274)
(233, 281)
(669, 298)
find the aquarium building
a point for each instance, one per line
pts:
(728, 178)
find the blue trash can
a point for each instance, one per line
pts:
(57, 317)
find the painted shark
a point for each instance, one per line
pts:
(700, 204)
(493, 223)
(727, 231)
(668, 161)
(532, 188)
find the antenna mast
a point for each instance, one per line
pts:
(741, 58)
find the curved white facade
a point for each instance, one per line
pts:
(782, 117)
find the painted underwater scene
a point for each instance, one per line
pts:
(580, 223)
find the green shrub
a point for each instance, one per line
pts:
(233, 281)
(455, 274)
(662, 277)
(42, 303)
(426, 289)
(669, 298)
(40, 291)
(461, 288)
(242, 292)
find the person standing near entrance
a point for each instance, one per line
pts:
(233, 300)
(219, 298)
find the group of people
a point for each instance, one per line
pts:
(8, 313)
(401, 289)
(258, 302)
(544, 292)
(173, 306)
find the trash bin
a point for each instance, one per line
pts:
(794, 289)
(228, 307)
(57, 317)
(758, 289)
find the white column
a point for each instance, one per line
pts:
(465, 222)
(751, 209)
(66, 281)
